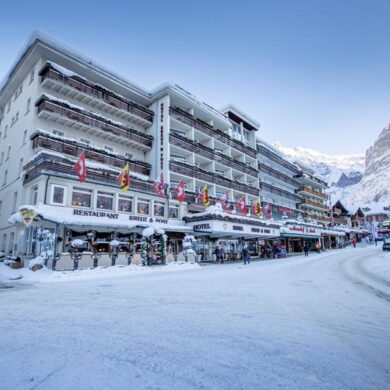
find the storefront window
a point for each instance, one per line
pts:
(81, 197)
(104, 201)
(143, 206)
(58, 195)
(174, 211)
(159, 208)
(125, 204)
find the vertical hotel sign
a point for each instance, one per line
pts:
(161, 137)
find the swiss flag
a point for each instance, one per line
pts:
(180, 191)
(158, 185)
(80, 168)
(225, 201)
(241, 205)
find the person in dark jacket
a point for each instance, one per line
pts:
(306, 250)
(218, 254)
(245, 255)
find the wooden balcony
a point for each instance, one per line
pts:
(74, 148)
(204, 151)
(315, 205)
(313, 192)
(46, 164)
(92, 123)
(209, 177)
(95, 95)
(317, 217)
(211, 131)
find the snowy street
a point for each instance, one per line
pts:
(320, 322)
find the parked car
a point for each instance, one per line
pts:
(386, 245)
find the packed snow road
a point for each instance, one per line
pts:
(321, 322)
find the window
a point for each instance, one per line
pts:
(125, 204)
(58, 195)
(3, 242)
(59, 133)
(34, 195)
(8, 152)
(32, 76)
(14, 202)
(81, 197)
(5, 132)
(5, 177)
(28, 105)
(143, 206)
(178, 158)
(174, 211)
(104, 200)
(159, 209)
(108, 148)
(24, 137)
(20, 167)
(85, 141)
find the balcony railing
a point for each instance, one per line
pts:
(211, 131)
(91, 120)
(315, 204)
(209, 153)
(97, 92)
(58, 166)
(74, 148)
(317, 217)
(280, 191)
(314, 192)
(200, 174)
(277, 174)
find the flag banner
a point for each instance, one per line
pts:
(225, 201)
(204, 196)
(267, 209)
(241, 205)
(158, 185)
(180, 192)
(256, 208)
(81, 168)
(124, 178)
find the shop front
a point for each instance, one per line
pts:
(296, 235)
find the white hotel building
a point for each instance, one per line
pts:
(55, 104)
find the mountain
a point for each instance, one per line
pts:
(343, 173)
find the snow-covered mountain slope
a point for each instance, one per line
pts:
(343, 173)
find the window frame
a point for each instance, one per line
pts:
(128, 198)
(155, 203)
(52, 188)
(146, 201)
(107, 195)
(84, 191)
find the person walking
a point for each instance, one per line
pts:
(306, 249)
(354, 243)
(318, 247)
(245, 255)
(217, 254)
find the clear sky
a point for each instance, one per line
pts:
(314, 73)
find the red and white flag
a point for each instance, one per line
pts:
(267, 209)
(225, 201)
(241, 205)
(158, 185)
(81, 168)
(180, 191)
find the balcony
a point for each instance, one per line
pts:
(92, 123)
(274, 189)
(317, 217)
(206, 152)
(277, 174)
(314, 205)
(46, 164)
(73, 148)
(213, 132)
(315, 193)
(94, 95)
(209, 177)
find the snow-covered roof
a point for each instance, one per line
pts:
(237, 111)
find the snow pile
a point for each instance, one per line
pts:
(149, 231)
(39, 260)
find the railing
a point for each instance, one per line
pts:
(200, 174)
(307, 215)
(316, 204)
(277, 174)
(209, 153)
(314, 192)
(74, 148)
(263, 151)
(88, 119)
(211, 131)
(97, 92)
(57, 166)
(280, 191)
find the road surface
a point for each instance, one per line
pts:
(321, 322)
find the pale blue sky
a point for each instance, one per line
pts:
(314, 73)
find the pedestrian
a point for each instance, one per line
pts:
(354, 243)
(222, 254)
(306, 249)
(318, 247)
(217, 254)
(245, 255)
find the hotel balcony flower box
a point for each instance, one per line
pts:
(209, 153)
(95, 95)
(47, 164)
(213, 132)
(91, 123)
(42, 139)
